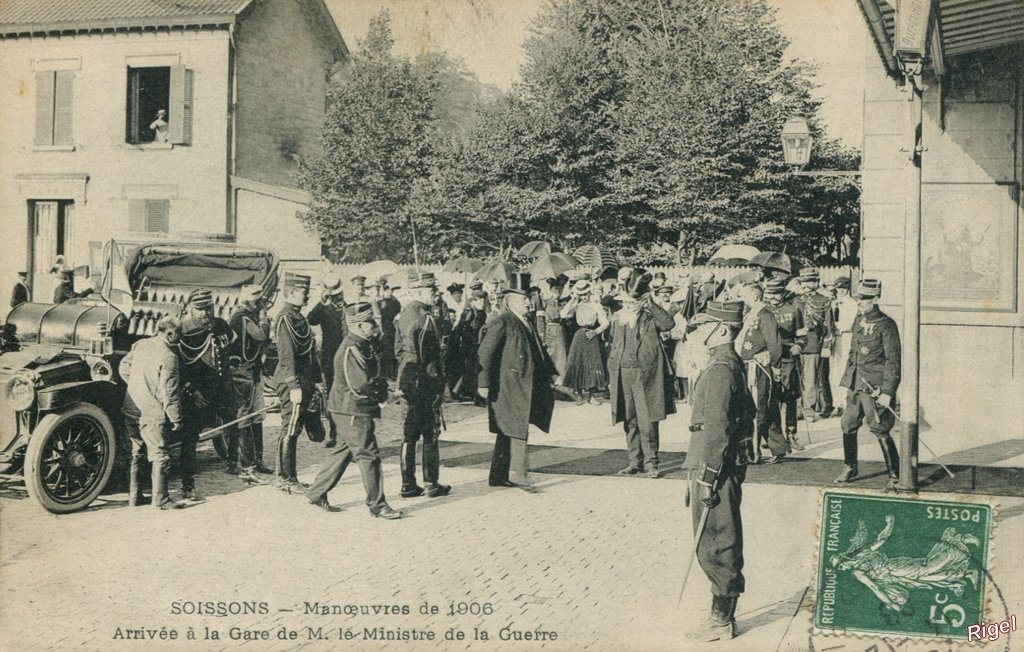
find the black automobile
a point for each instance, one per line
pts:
(60, 393)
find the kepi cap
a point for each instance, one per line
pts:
(293, 280)
(358, 313)
(728, 312)
(869, 288)
(417, 280)
(200, 298)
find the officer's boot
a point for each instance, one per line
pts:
(161, 496)
(431, 468)
(721, 624)
(257, 446)
(791, 439)
(849, 458)
(409, 487)
(892, 462)
(134, 489)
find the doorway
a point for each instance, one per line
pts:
(51, 231)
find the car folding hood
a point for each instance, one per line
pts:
(212, 267)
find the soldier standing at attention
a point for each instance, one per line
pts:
(354, 401)
(760, 347)
(871, 379)
(789, 316)
(329, 315)
(252, 335)
(209, 392)
(821, 327)
(419, 350)
(296, 377)
(721, 426)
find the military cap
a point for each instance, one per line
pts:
(358, 313)
(476, 285)
(666, 289)
(728, 312)
(519, 282)
(358, 279)
(455, 287)
(22, 273)
(478, 294)
(637, 283)
(774, 286)
(250, 292)
(869, 288)
(843, 282)
(420, 279)
(200, 298)
(293, 280)
(809, 274)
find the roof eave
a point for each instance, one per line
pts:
(115, 24)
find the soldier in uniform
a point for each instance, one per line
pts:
(389, 308)
(721, 425)
(871, 378)
(297, 378)
(419, 350)
(820, 324)
(329, 315)
(789, 317)
(208, 391)
(760, 347)
(252, 336)
(355, 399)
(844, 310)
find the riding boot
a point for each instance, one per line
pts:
(892, 461)
(849, 458)
(431, 469)
(408, 461)
(134, 489)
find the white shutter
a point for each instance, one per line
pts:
(158, 215)
(136, 214)
(63, 108)
(44, 107)
(180, 116)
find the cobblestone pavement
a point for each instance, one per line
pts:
(593, 560)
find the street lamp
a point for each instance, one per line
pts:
(796, 142)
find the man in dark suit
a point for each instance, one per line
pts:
(516, 379)
(20, 293)
(640, 379)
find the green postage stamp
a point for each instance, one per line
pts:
(901, 566)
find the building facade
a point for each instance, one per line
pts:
(143, 120)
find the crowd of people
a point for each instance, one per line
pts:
(751, 355)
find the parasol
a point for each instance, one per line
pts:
(775, 260)
(535, 249)
(495, 271)
(378, 269)
(728, 262)
(736, 251)
(462, 265)
(553, 265)
(594, 256)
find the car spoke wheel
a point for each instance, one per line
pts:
(70, 458)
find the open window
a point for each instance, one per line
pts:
(159, 105)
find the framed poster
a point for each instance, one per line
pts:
(969, 247)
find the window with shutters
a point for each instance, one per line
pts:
(159, 105)
(54, 103)
(149, 215)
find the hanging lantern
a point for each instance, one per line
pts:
(796, 142)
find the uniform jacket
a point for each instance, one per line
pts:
(790, 318)
(389, 309)
(297, 364)
(205, 351)
(875, 356)
(418, 349)
(251, 339)
(518, 372)
(19, 294)
(333, 331)
(818, 319)
(658, 380)
(760, 337)
(153, 373)
(723, 411)
(358, 387)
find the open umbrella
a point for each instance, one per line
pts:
(775, 260)
(728, 262)
(594, 256)
(378, 268)
(553, 265)
(462, 265)
(495, 271)
(535, 249)
(740, 251)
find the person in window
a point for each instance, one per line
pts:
(159, 127)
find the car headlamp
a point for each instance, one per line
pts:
(20, 393)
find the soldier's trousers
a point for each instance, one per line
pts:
(861, 407)
(720, 548)
(294, 419)
(642, 436)
(358, 443)
(420, 422)
(789, 391)
(220, 400)
(767, 420)
(817, 394)
(332, 429)
(508, 450)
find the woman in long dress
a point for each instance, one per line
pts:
(585, 370)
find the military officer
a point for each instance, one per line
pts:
(252, 336)
(844, 310)
(871, 379)
(297, 378)
(821, 327)
(419, 350)
(721, 426)
(355, 399)
(760, 347)
(329, 315)
(789, 316)
(209, 393)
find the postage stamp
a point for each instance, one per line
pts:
(901, 566)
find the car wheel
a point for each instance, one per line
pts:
(70, 458)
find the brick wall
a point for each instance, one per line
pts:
(283, 58)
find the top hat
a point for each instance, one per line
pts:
(637, 283)
(518, 282)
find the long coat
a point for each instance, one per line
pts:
(658, 380)
(518, 372)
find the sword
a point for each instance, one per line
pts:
(873, 393)
(693, 553)
(210, 434)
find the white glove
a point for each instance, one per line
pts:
(295, 396)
